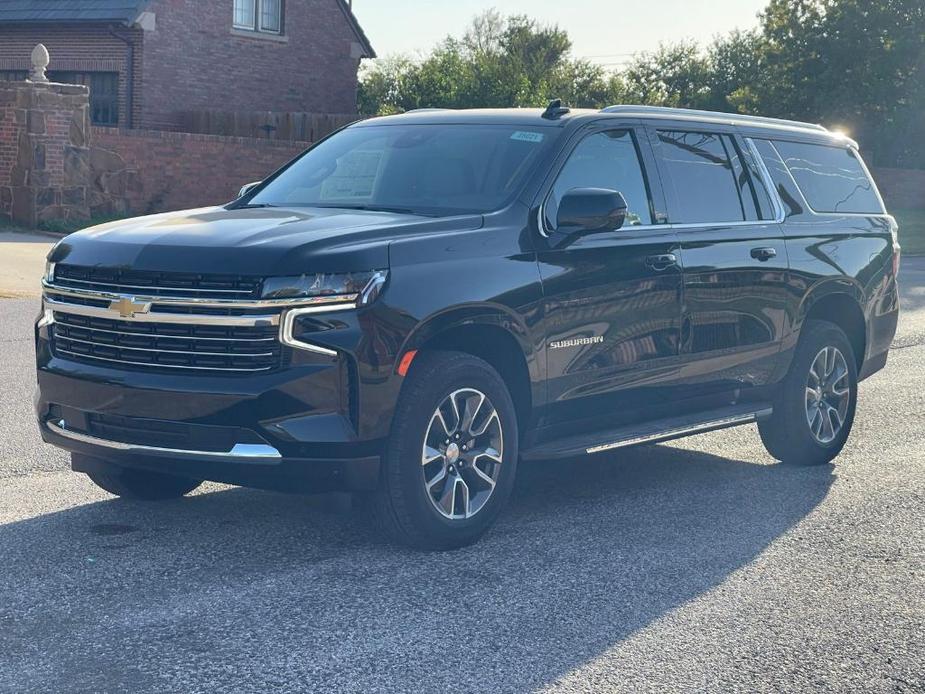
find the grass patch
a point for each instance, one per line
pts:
(911, 231)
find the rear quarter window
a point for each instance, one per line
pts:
(832, 179)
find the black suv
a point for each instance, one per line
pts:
(420, 303)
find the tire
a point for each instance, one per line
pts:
(140, 485)
(405, 507)
(797, 433)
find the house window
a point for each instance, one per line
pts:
(104, 93)
(259, 15)
(104, 90)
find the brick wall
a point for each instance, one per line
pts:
(79, 49)
(902, 189)
(147, 171)
(194, 60)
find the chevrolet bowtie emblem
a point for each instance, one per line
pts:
(127, 307)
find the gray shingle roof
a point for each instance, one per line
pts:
(42, 11)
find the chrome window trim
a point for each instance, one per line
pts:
(764, 173)
(240, 451)
(288, 324)
(707, 225)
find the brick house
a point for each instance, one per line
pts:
(148, 61)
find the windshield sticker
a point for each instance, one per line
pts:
(355, 176)
(522, 136)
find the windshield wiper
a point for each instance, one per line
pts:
(254, 206)
(375, 208)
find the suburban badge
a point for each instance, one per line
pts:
(577, 342)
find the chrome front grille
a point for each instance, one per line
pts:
(190, 334)
(166, 345)
(164, 284)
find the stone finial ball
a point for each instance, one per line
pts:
(40, 57)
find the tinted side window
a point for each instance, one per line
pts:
(701, 173)
(783, 181)
(752, 188)
(831, 178)
(605, 160)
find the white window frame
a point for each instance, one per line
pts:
(256, 24)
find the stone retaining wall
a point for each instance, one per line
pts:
(44, 152)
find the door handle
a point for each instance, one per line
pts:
(764, 254)
(661, 262)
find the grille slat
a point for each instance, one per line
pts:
(157, 284)
(159, 350)
(78, 355)
(199, 348)
(182, 337)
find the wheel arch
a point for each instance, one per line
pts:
(494, 335)
(840, 303)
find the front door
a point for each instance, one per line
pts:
(613, 299)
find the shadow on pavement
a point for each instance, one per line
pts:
(247, 589)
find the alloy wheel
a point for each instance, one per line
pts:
(462, 454)
(828, 395)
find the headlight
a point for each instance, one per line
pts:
(366, 286)
(49, 271)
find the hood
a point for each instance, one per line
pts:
(257, 242)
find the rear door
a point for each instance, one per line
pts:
(612, 300)
(732, 249)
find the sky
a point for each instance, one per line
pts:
(605, 31)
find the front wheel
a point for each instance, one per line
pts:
(450, 463)
(814, 411)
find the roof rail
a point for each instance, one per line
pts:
(728, 117)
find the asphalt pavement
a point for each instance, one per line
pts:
(696, 566)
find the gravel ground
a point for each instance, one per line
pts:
(696, 566)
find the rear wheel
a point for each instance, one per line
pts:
(449, 467)
(141, 485)
(814, 411)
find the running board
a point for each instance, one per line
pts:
(650, 432)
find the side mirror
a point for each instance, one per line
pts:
(247, 189)
(590, 211)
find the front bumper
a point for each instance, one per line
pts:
(316, 423)
(250, 465)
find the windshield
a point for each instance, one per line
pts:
(436, 170)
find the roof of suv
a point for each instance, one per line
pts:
(536, 117)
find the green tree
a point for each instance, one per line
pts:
(736, 64)
(857, 64)
(673, 75)
(499, 62)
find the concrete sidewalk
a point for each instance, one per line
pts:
(22, 263)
